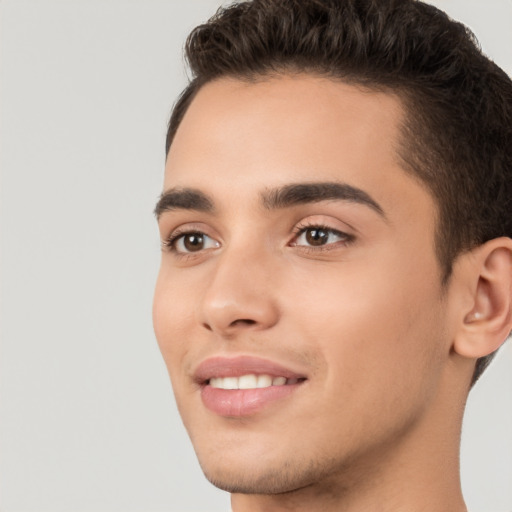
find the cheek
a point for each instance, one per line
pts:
(378, 326)
(172, 313)
(172, 317)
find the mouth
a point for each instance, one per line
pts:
(251, 381)
(244, 385)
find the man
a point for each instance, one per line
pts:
(337, 262)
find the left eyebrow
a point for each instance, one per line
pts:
(304, 193)
(183, 199)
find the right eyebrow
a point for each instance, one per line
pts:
(183, 199)
(312, 192)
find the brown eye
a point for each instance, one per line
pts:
(320, 236)
(317, 236)
(193, 241)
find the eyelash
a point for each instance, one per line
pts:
(170, 242)
(298, 231)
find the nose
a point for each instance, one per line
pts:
(240, 295)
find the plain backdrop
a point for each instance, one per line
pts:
(88, 421)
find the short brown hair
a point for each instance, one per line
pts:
(457, 137)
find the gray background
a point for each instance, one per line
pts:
(87, 415)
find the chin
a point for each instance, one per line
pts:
(255, 482)
(265, 477)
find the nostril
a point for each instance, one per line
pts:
(242, 321)
(207, 327)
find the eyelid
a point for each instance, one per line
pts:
(303, 226)
(179, 240)
(168, 242)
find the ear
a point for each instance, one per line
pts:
(487, 318)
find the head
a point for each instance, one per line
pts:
(378, 129)
(457, 133)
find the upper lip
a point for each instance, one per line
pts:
(222, 366)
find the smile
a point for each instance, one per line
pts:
(244, 385)
(250, 381)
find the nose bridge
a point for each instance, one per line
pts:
(240, 293)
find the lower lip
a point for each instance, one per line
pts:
(243, 402)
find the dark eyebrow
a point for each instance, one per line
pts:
(185, 199)
(303, 193)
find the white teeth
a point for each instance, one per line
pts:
(224, 383)
(250, 381)
(247, 381)
(230, 383)
(278, 381)
(265, 381)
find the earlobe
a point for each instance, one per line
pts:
(489, 320)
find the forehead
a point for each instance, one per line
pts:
(256, 121)
(247, 136)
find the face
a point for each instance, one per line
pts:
(298, 307)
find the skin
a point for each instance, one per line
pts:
(364, 316)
